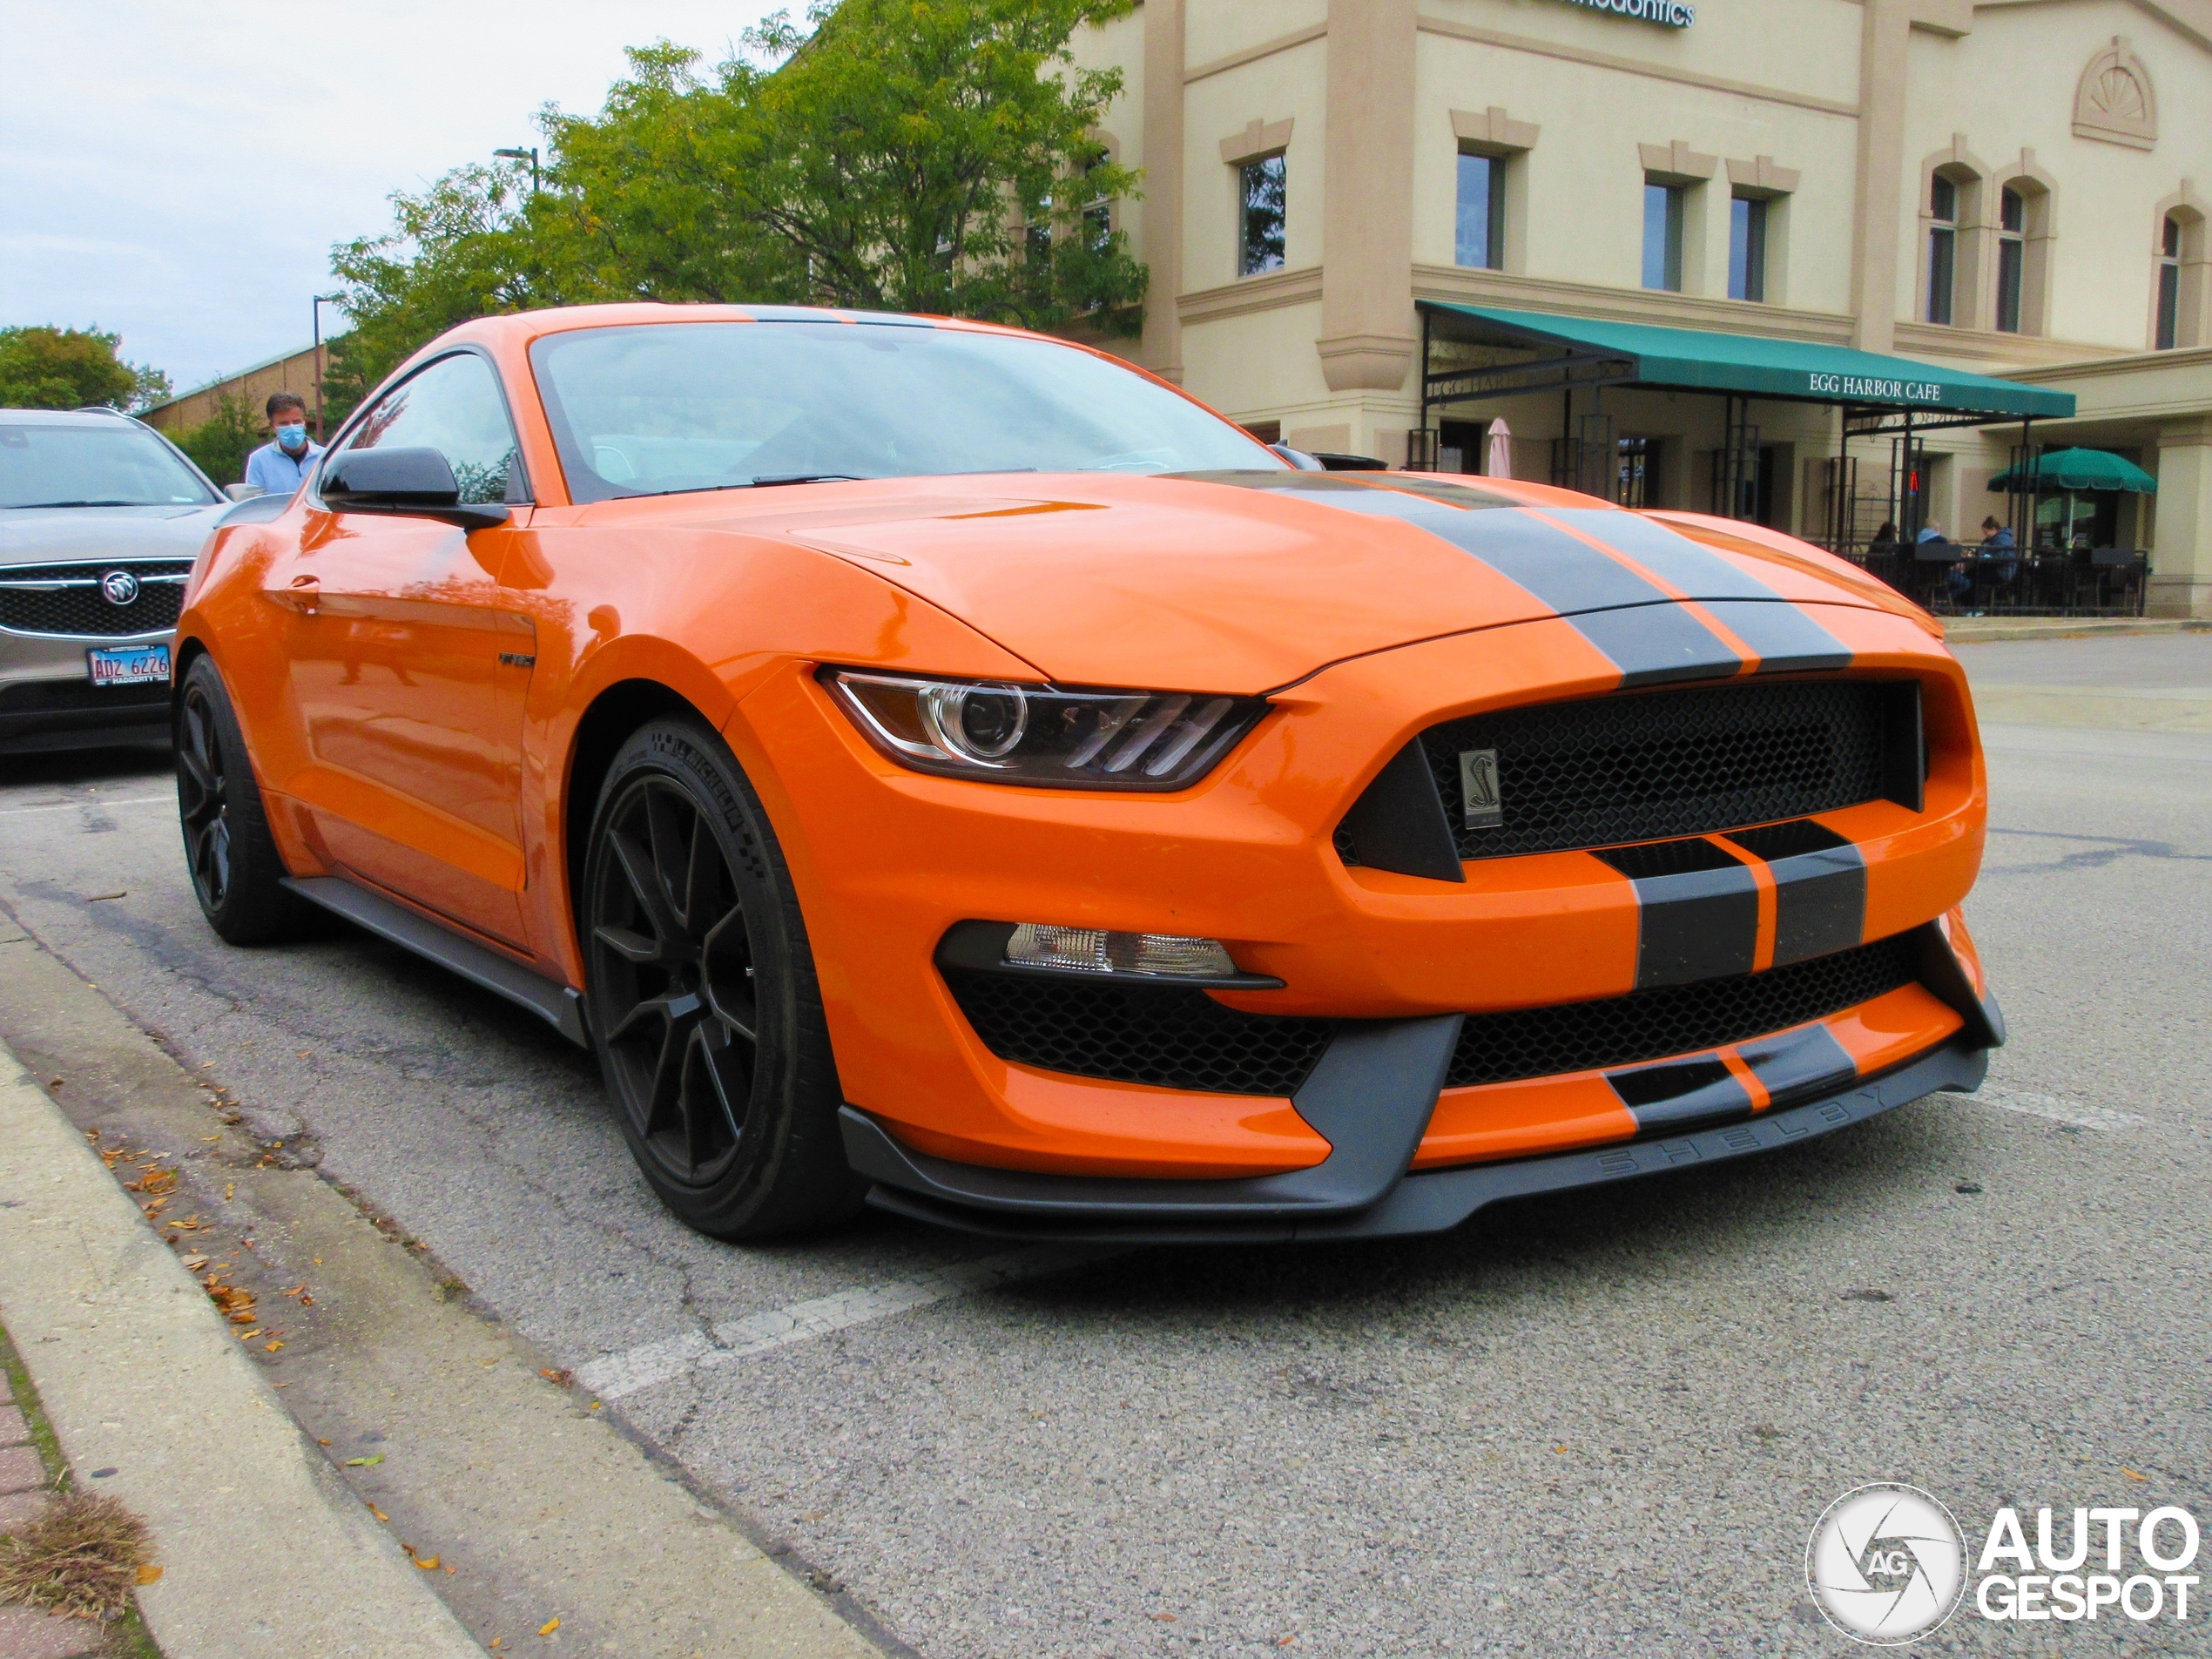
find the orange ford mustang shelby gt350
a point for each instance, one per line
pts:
(942, 767)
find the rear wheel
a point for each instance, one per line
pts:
(236, 870)
(703, 997)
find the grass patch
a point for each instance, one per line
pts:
(81, 1556)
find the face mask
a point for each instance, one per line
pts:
(293, 437)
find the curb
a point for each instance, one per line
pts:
(137, 1371)
(1989, 630)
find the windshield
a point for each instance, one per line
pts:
(672, 407)
(113, 464)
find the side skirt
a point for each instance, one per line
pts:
(558, 1005)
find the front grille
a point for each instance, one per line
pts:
(1673, 1019)
(79, 608)
(1654, 765)
(1183, 1039)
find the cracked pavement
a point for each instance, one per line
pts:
(1597, 1423)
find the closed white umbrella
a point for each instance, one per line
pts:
(1500, 462)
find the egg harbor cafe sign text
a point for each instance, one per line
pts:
(1673, 13)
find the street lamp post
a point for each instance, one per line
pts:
(518, 154)
(321, 299)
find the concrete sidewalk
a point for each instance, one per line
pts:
(138, 1373)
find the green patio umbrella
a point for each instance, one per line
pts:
(2078, 469)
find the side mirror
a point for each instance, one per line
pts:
(243, 492)
(404, 483)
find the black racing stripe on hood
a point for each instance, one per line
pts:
(1785, 638)
(1635, 622)
(1698, 572)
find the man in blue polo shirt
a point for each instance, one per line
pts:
(278, 467)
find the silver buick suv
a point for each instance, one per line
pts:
(100, 519)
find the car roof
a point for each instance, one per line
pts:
(66, 417)
(522, 326)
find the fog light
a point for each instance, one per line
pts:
(1091, 950)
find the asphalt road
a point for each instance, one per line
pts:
(1601, 1424)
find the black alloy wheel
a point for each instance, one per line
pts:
(702, 994)
(237, 872)
(203, 795)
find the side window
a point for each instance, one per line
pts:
(452, 407)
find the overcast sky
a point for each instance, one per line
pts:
(178, 173)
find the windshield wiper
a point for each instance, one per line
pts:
(27, 504)
(767, 478)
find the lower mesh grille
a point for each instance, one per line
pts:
(1171, 1037)
(1183, 1039)
(1673, 1019)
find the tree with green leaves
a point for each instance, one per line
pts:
(45, 367)
(221, 442)
(936, 156)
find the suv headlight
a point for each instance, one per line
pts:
(1001, 733)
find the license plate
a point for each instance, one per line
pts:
(129, 665)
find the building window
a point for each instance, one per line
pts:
(1481, 241)
(1943, 247)
(1098, 217)
(1260, 216)
(2012, 258)
(1747, 218)
(1662, 216)
(1638, 479)
(1037, 234)
(2169, 285)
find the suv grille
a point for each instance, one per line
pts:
(1183, 1039)
(1659, 764)
(66, 599)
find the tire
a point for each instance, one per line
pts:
(236, 870)
(702, 997)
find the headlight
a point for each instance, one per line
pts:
(1030, 734)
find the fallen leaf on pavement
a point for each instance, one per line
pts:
(272, 1346)
(560, 1378)
(549, 1627)
(364, 1462)
(148, 1572)
(428, 1563)
(2132, 1475)
(379, 1514)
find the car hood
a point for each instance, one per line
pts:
(1246, 582)
(54, 535)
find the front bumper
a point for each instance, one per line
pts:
(1333, 1199)
(48, 701)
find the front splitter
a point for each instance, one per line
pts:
(1008, 1203)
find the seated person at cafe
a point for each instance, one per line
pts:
(2000, 552)
(1955, 578)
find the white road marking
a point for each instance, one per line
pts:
(73, 806)
(2059, 1111)
(615, 1375)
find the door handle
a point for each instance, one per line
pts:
(305, 595)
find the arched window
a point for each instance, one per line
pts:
(2169, 285)
(2012, 257)
(1943, 247)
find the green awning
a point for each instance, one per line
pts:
(1697, 360)
(2080, 470)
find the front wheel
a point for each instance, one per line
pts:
(237, 872)
(703, 997)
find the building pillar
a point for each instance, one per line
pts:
(1161, 350)
(2180, 582)
(1878, 219)
(1369, 339)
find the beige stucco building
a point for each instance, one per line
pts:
(2020, 188)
